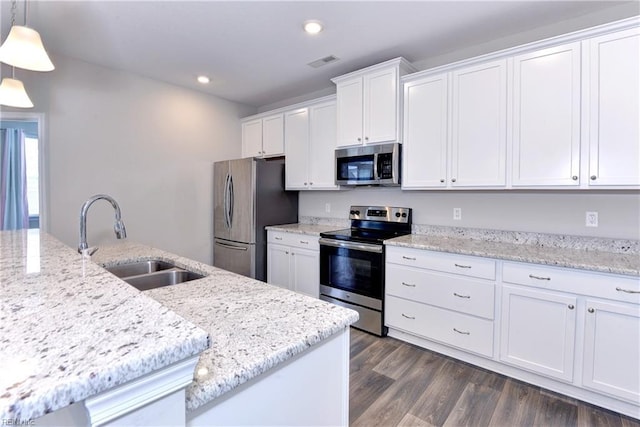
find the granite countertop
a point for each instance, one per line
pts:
(70, 330)
(253, 326)
(309, 229)
(589, 258)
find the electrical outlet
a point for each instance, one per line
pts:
(457, 214)
(327, 207)
(591, 219)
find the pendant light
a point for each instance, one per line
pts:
(12, 94)
(23, 47)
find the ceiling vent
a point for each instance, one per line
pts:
(323, 61)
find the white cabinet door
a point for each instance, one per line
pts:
(273, 135)
(380, 103)
(546, 117)
(612, 349)
(296, 137)
(278, 271)
(479, 125)
(349, 112)
(614, 108)
(538, 331)
(424, 147)
(305, 271)
(252, 138)
(322, 145)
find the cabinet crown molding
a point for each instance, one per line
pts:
(404, 66)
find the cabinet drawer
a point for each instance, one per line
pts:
(455, 329)
(449, 263)
(296, 240)
(609, 286)
(461, 294)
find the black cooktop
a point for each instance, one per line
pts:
(363, 235)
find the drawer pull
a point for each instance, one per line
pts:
(539, 277)
(571, 306)
(304, 242)
(462, 266)
(462, 296)
(411, 285)
(408, 317)
(462, 332)
(409, 258)
(628, 291)
(278, 238)
(591, 310)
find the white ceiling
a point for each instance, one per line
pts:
(256, 52)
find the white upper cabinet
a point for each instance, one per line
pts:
(614, 109)
(425, 132)
(546, 117)
(310, 135)
(263, 136)
(479, 125)
(368, 104)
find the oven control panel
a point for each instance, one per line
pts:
(380, 213)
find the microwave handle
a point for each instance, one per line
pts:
(375, 167)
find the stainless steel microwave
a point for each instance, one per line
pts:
(368, 165)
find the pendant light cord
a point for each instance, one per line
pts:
(13, 13)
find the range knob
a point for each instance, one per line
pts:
(353, 212)
(404, 214)
(397, 214)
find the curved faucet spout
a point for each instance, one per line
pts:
(118, 228)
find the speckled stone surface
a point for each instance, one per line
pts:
(335, 223)
(586, 259)
(309, 229)
(70, 330)
(253, 326)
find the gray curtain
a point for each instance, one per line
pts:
(14, 210)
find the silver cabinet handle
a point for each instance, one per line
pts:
(366, 138)
(591, 310)
(539, 277)
(305, 183)
(462, 296)
(304, 242)
(408, 317)
(574, 177)
(311, 183)
(462, 266)
(411, 285)
(359, 139)
(593, 177)
(571, 306)
(278, 238)
(409, 258)
(453, 180)
(462, 332)
(442, 180)
(628, 291)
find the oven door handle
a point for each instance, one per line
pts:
(367, 247)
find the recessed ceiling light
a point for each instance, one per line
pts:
(203, 79)
(313, 27)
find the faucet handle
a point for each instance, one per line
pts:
(88, 251)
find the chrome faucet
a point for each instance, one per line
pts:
(118, 227)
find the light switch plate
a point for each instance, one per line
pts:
(457, 214)
(591, 219)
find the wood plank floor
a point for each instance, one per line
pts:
(393, 383)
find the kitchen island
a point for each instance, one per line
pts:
(72, 331)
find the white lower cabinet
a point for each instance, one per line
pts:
(572, 331)
(612, 349)
(293, 262)
(538, 331)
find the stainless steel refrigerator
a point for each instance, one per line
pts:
(248, 195)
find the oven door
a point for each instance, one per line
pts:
(352, 266)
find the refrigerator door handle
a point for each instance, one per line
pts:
(231, 201)
(226, 201)
(236, 248)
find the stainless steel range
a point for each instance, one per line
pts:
(352, 262)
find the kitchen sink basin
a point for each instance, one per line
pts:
(151, 274)
(139, 267)
(160, 279)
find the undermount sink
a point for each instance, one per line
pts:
(145, 275)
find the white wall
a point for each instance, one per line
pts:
(148, 144)
(555, 212)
